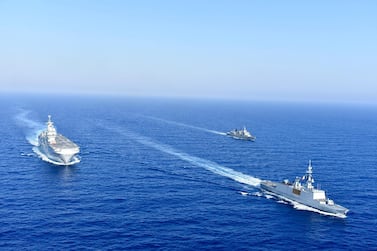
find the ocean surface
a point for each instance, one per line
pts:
(159, 174)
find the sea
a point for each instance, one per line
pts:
(160, 174)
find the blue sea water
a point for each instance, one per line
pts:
(159, 174)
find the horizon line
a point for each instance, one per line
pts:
(190, 97)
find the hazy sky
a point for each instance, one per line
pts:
(294, 50)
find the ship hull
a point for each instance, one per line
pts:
(304, 197)
(58, 155)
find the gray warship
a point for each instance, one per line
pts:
(241, 134)
(305, 193)
(57, 148)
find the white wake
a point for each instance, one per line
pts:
(206, 164)
(31, 128)
(184, 125)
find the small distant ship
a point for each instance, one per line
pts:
(241, 134)
(57, 148)
(304, 193)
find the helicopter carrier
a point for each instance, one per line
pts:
(57, 148)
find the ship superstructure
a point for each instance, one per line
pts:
(303, 192)
(57, 148)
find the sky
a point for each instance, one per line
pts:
(254, 50)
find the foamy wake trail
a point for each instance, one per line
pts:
(31, 128)
(184, 125)
(206, 164)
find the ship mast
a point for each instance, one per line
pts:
(309, 177)
(51, 131)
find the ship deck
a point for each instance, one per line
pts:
(63, 143)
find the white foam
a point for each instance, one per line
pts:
(244, 193)
(258, 194)
(27, 154)
(282, 202)
(268, 196)
(206, 164)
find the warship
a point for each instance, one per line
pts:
(303, 192)
(241, 134)
(57, 148)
